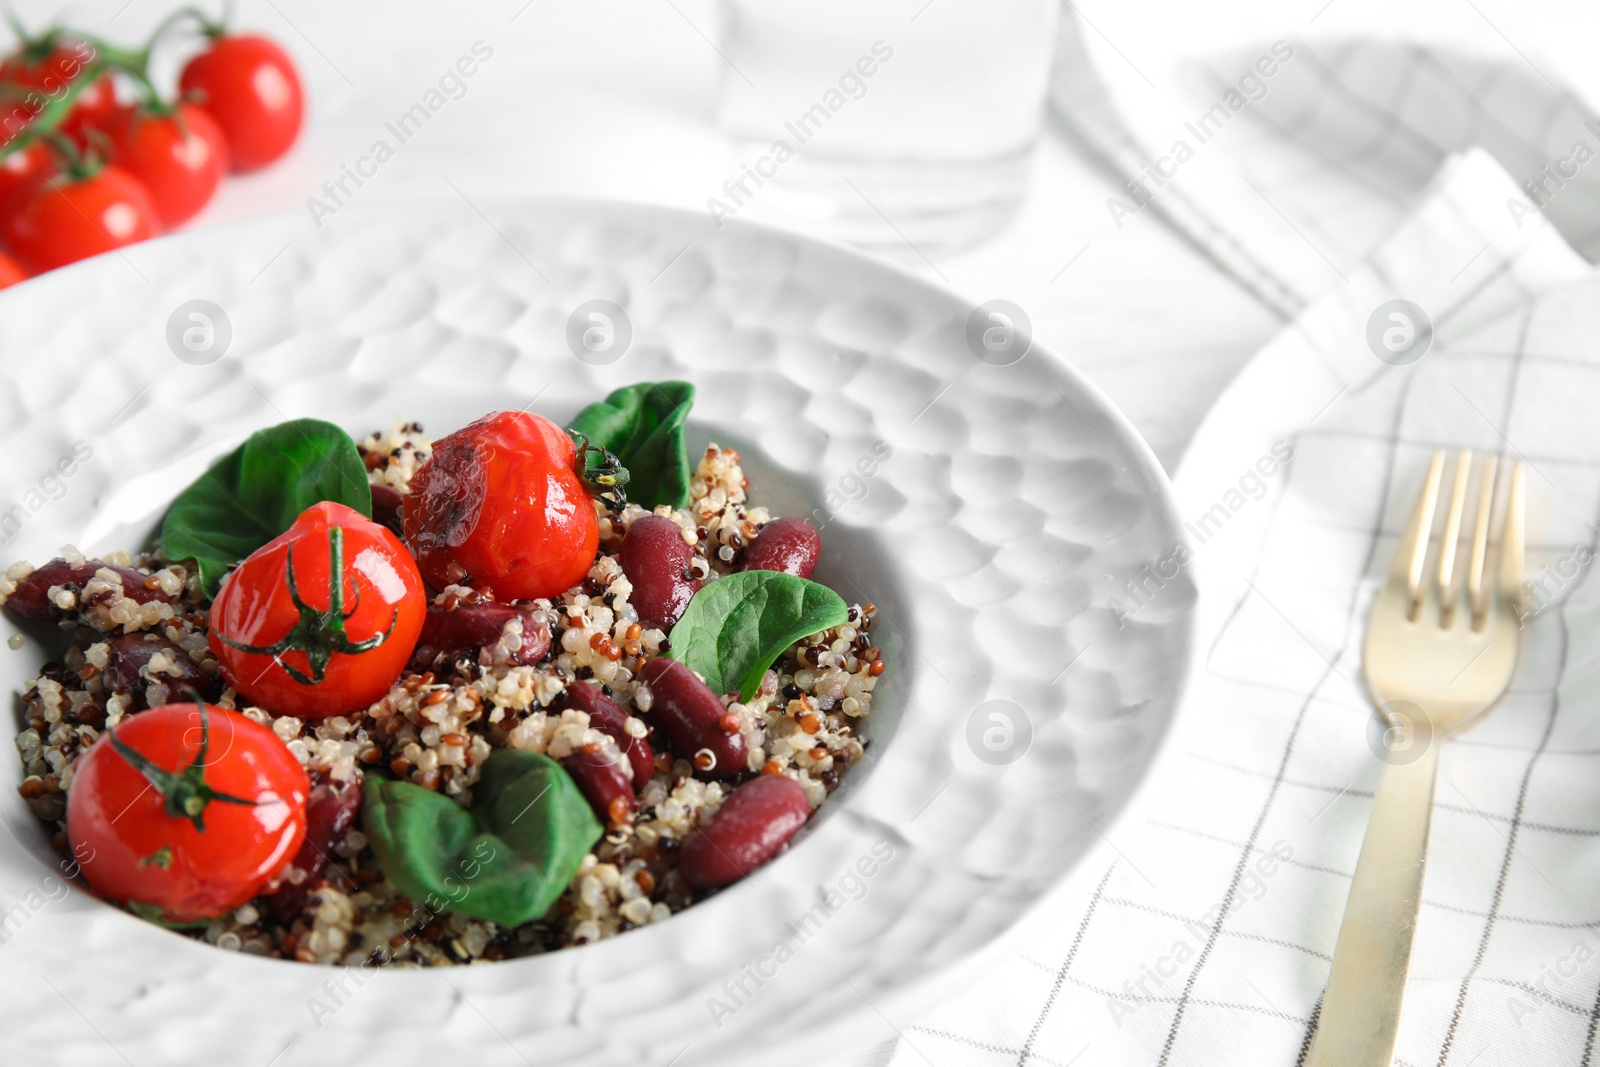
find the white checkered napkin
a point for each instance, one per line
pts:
(1331, 149)
(1208, 941)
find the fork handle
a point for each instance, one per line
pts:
(1361, 1009)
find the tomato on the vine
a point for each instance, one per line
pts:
(10, 272)
(62, 220)
(322, 619)
(24, 167)
(45, 71)
(500, 504)
(185, 812)
(180, 158)
(250, 86)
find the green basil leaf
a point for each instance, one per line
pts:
(255, 492)
(643, 425)
(737, 627)
(505, 859)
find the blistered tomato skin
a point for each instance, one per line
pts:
(499, 504)
(211, 856)
(304, 659)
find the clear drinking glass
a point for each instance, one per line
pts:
(905, 126)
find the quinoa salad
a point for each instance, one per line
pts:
(547, 685)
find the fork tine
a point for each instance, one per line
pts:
(1512, 547)
(1452, 535)
(1477, 595)
(1413, 551)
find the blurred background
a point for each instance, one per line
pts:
(988, 147)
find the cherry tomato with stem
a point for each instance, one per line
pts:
(44, 71)
(180, 157)
(322, 619)
(90, 210)
(23, 167)
(250, 86)
(185, 812)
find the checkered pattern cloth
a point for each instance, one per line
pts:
(1300, 172)
(1206, 937)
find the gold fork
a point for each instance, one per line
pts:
(1433, 663)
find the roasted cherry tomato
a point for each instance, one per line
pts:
(10, 272)
(44, 72)
(322, 619)
(250, 86)
(23, 168)
(186, 811)
(500, 504)
(60, 221)
(180, 158)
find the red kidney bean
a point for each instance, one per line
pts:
(31, 599)
(386, 502)
(608, 717)
(467, 627)
(330, 812)
(130, 653)
(788, 545)
(657, 562)
(750, 828)
(606, 781)
(691, 715)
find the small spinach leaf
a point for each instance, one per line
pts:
(643, 425)
(505, 859)
(255, 492)
(736, 627)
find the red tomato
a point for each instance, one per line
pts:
(499, 504)
(46, 75)
(60, 221)
(10, 273)
(322, 619)
(23, 168)
(180, 158)
(249, 85)
(186, 811)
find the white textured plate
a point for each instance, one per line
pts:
(1015, 508)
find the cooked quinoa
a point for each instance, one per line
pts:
(435, 728)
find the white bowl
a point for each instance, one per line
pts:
(996, 541)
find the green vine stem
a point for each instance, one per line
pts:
(606, 478)
(318, 634)
(185, 792)
(107, 59)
